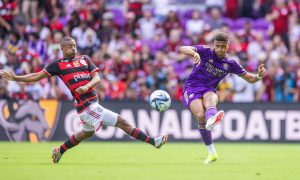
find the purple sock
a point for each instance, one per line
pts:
(210, 111)
(206, 136)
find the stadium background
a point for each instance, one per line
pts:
(135, 48)
(134, 43)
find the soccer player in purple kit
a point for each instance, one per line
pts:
(211, 65)
(81, 76)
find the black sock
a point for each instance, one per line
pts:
(68, 144)
(140, 135)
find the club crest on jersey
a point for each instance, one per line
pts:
(225, 65)
(82, 61)
(76, 63)
(211, 61)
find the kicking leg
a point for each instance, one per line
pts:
(109, 118)
(74, 140)
(212, 116)
(140, 135)
(197, 109)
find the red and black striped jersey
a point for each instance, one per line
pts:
(74, 73)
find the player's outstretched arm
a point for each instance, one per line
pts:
(33, 77)
(95, 80)
(190, 51)
(253, 78)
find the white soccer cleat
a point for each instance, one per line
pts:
(214, 120)
(161, 140)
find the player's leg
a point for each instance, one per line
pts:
(212, 115)
(73, 141)
(98, 115)
(198, 111)
(140, 135)
(91, 121)
(109, 118)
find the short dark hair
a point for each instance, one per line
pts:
(66, 39)
(220, 36)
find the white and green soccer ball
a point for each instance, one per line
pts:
(160, 100)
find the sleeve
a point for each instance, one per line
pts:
(237, 69)
(91, 66)
(52, 68)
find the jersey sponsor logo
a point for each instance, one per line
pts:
(211, 69)
(68, 65)
(81, 76)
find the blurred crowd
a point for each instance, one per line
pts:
(135, 45)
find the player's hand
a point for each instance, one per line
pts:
(261, 70)
(7, 75)
(196, 59)
(82, 89)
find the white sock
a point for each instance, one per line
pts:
(211, 149)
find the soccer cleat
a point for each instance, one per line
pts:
(214, 120)
(161, 140)
(211, 158)
(56, 155)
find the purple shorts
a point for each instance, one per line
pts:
(190, 95)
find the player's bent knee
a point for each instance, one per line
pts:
(88, 134)
(121, 122)
(200, 117)
(82, 135)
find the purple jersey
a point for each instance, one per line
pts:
(211, 70)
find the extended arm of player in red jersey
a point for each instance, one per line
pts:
(33, 77)
(95, 80)
(253, 78)
(191, 51)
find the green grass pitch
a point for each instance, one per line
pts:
(134, 160)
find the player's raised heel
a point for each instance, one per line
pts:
(214, 120)
(56, 155)
(161, 140)
(211, 158)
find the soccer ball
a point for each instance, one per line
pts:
(160, 100)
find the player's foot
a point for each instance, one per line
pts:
(56, 155)
(211, 158)
(214, 120)
(161, 140)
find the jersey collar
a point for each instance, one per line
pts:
(65, 59)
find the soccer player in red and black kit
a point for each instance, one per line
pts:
(81, 76)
